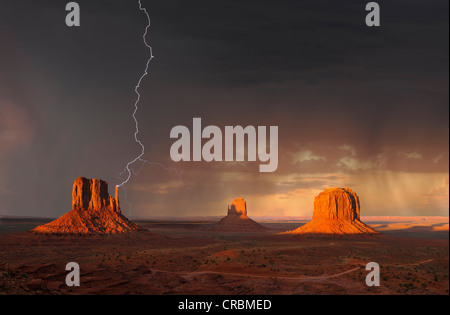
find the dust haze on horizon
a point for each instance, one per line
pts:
(356, 107)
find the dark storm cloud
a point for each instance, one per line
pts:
(311, 67)
(249, 42)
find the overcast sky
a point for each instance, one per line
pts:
(359, 107)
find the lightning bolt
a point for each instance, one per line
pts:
(136, 89)
(128, 168)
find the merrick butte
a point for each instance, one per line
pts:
(212, 150)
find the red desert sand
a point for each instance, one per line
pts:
(336, 211)
(94, 211)
(180, 260)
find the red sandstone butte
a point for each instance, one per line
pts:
(336, 211)
(237, 219)
(94, 211)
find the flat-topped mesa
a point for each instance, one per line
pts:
(237, 219)
(238, 207)
(92, 194)
(336, 211)
(117, 197)
(337, 203)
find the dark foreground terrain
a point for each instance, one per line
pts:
(187, 258)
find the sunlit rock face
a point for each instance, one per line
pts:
(93, 194)
(336, 203)
(336, 211)
(94, 211)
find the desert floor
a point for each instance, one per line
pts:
(183, 257)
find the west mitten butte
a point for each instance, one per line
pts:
(94, 211)
(237, 219)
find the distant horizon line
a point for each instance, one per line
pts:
(198, 217)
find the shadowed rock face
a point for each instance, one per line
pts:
(336, 211)
(94, 211)
(237, 219)
(238, 207)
